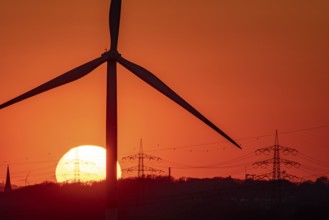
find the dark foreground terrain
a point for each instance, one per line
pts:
(161, 199)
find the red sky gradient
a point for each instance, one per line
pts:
(250, 67)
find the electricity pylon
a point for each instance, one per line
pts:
(77, 163)
(141, 168)
(276, 161)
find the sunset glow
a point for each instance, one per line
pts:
(83, 164)
(250, 69)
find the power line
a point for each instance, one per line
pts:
(312, 160)
(276, 161)
(165, 148)
(141, 168)
(305, 129)
(221, 164)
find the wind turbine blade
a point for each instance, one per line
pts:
(114, 22)
(155, 82)
(67, 77)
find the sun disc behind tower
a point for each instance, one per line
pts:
(83, 164)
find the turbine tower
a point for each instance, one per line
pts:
(112, 57)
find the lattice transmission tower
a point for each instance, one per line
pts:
(77, 163)
(276, 161)
(141, 169)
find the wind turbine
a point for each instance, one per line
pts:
(25, 179)
(112, 57)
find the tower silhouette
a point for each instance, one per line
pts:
(276, 161)
(141, 168)
(276, 173)
(112, 58)
(76, 167)
(8, 183)
(77, 164)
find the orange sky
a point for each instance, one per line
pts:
(250, 68)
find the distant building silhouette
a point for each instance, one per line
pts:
(8, 183)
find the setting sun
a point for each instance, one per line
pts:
(83, 164)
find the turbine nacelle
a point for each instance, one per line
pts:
(111, 55)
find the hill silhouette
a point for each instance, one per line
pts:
(160, 198)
